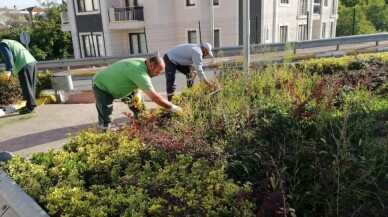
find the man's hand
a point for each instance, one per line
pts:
(177, 110)
(5, 75)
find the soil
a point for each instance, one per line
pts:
(83, 97)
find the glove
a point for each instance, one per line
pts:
(177, 110)
(137, 101)
(5, 75)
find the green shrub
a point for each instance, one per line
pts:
(108, 175)
(43, 82)
(316, 135)
(10, 91)
(267, 142)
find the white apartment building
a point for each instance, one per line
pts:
(123, 27)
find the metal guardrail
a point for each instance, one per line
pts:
(84, 62)
(338, 41)
(226, 51)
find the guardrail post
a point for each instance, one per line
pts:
(377, 43)
(338, 46)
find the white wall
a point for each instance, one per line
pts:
(160, 25)
(276, 14)
(168, 21)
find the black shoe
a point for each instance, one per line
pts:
(23, 108)
(26, 110)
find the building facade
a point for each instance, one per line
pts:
(123, 27)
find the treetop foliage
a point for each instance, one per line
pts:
(48, 41)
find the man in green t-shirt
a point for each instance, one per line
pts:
(124, 77)
(20, 62)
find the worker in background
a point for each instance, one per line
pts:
(182, 58)
(19, 61)
(124, 77)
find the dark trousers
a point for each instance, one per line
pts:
(170, 76)
(104, 105)
(27, 79)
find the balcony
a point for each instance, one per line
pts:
(65, 22)
(126, 18)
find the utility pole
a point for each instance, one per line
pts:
(246, 36)
(354, 21)
(308, 25)
(212, 25)
(200, 33)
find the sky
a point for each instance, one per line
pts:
(20, 4)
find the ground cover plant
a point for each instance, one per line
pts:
(284, 140)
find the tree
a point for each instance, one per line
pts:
(377, 13)
(350, 3)
(48, 42)
(345, 21)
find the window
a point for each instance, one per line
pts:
(99, 45)
(317, 7)
(192, 36)
(93, 45)
(216, 2)
(267, 33)
(325, 3)
(284, 1)
(302, 32)
(303, 5)
(134, 3)
(216, 38)
(87, 5)
(332, 30)
(190, 2)
(137, 43)
(283, 34)
(323, 30)
(333, 9)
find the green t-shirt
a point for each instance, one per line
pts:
(21, 55)
(123, 77)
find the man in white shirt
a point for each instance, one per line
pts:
(182, 58)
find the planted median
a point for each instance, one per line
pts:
(300, 140)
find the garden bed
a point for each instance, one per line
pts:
(285, 140)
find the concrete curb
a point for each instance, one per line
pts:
(9, 109)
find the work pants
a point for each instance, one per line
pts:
(104, 105)
(170, 76)
(27, 79)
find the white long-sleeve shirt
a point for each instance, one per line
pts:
(188, 55)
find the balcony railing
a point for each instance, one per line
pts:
(126, 14)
